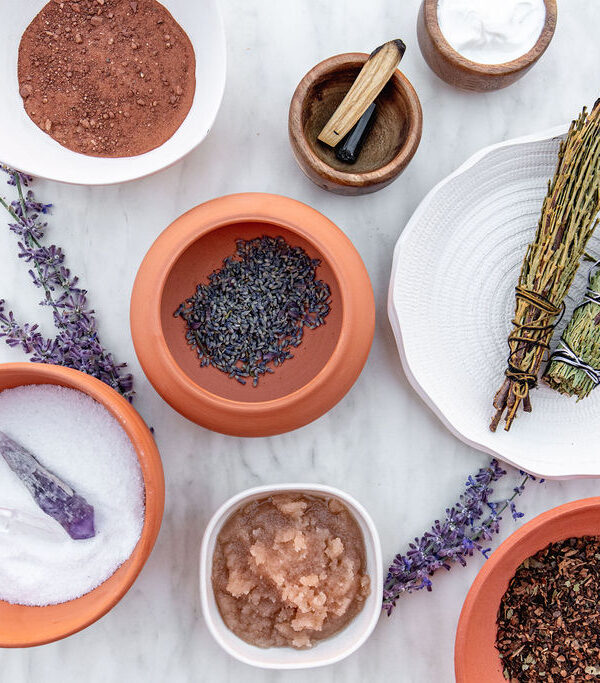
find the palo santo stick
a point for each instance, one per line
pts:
(371, 80)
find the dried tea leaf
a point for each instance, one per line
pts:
(553, 633)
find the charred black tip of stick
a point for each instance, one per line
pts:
(400, 46)
(376, 50)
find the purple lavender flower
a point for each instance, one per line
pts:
(468, 524)
(77, 344)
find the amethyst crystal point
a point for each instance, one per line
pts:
(54, 497)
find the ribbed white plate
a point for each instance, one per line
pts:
(451, 300)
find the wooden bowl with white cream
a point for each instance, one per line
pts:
(482, 46)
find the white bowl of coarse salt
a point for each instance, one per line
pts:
(86, 435)
(484, 44)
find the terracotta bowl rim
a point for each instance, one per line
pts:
(517, 547)
(230, 209)
(152, 472)
(381, 174)
(501, 69)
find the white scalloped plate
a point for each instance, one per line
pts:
(451, 300)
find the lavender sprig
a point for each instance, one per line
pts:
(77, 344)
(456, 538)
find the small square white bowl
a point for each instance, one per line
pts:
(325, 652)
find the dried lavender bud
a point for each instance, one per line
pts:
(54, 497)
(254, 309)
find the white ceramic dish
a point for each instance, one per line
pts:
(451, 300)
(24, 146)
(327, 651)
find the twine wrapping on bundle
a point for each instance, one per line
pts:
(574, 368)
(534, 334)
(565, 354)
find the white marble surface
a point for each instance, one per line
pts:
(380, 443)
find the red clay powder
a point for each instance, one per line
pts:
(109, 78)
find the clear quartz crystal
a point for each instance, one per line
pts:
(17, 522)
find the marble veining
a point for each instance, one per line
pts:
(381, 443)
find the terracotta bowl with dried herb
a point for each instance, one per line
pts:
(532, 611)
(252, 314)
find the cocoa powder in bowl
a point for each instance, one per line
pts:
(109, 78)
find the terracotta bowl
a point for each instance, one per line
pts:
(22, 626)
(325, 365)
(475, 655)
(462, 73)
(388, 149)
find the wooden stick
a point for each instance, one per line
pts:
(371, 80)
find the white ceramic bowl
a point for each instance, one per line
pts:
(452, 297)
(24, 146)
(327, 651)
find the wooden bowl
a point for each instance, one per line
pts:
(462, 73)
(475, 656)
(24, 626)
(325, 365)
(390, 145)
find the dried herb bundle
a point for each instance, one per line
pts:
(574, 367)
(565, 226)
